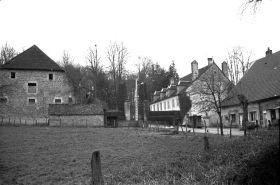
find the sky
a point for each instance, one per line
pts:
(163, 30)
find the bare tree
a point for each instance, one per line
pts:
(95, 65)
(238, 63)
(252, 4)
(7, 53)
(210, 91)
(144, 67)
(117, 54)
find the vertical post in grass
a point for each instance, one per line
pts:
(97, 178)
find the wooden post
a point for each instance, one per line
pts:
(97, 178)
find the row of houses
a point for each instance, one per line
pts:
(261, 86)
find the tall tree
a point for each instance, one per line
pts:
(7, 53)
(122, 96)
(117, 54)
(94, 60)
(172, 71)
(239, 61)
(210, 90)
(143, 66)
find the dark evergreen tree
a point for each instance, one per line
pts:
(122, 96)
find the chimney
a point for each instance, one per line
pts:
(171, 81)
(194, 70)
(225, 68)
(210, 61)
(268, 52)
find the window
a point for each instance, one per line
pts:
(3, 100)
(173, 103)
(164, 105)
(157, 108)
(160, 106)
(31, 101)
(252, 116)
(154, 107)
(51, 76)
(57, 101)
(70, 100)
(233, 118)
(178, 104)
(13, 74)
(168, 105)
(32, 88)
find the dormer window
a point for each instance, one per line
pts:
(50, 76)
(13, 74)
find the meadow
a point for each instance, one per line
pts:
(61, 155)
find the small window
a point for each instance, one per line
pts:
(57, 101)
(3, 100)
(31, 101)
(13, 74)
(173, 103)
(165, 105)
(70, 100)
(32, 88)
(50, 76)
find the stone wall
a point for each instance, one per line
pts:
(18, 106)
(77, 120)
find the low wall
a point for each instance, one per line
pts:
(77, 120)
(23, 121)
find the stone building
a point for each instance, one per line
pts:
(261, 86)
(168, 98)
(30, 82)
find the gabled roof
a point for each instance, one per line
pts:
(200, 72)
(75, 109)
(32, 59)
(262, 81)
(186, 80)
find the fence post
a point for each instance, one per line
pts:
(97, 178)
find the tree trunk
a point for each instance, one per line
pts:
(221, 123)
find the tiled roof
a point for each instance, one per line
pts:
(32, 59)
(262, 81)
(75, 109)
(200, 72)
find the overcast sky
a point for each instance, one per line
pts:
(163, 30)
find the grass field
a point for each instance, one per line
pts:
(53, 155)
